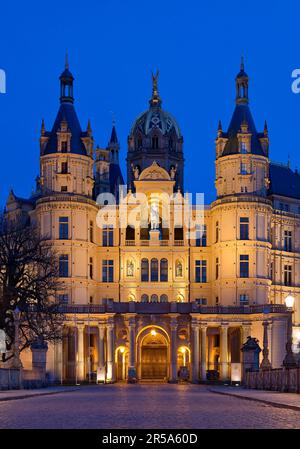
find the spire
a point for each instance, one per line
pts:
(66, 62)
(241, 82)
(89, 128)
(113, 137)
(242, 67)
(43, 128)
(220, 130)
(66, 84)
(155, 99)
(266, 128)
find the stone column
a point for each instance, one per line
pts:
(195, 351)
(132, 376)
(203, 351)
(265, 364)
(110, 374)
(80, 352)
(224, 351)
(58, 360)
(279, 334)
(173, 364)
(101, 356)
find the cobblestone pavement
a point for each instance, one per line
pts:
(143, 406)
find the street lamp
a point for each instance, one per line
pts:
(289, 301)
(289, 360)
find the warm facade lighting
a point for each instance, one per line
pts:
(153, 332)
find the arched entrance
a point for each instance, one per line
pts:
(154, 355)
(121, 359)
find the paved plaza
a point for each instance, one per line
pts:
(143, 406)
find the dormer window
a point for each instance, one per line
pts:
(64, 168)
(155, 143)
(64, 146)
(243, 148)
(244, 169)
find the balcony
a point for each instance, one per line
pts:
(129, 242)
(178, 242)
(172, 307)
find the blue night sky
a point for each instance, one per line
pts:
(114, 44)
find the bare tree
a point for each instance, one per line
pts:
(29, 284)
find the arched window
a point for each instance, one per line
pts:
(163, 270)
(154, 270)
(154, 298)
(178, 269)
(144, 298)
(163, 298)
(145, 270)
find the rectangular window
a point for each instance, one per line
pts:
(244, 170)
(244, 266)
(107, 236)
(244, 300)
(63, 228)
(107, 271)
(91, 268)
(64, 189)
(64, 146)
(201, 235)
(217, 231)
(200, 271)
(287, 241)
(217, 268)
(243, 148)
(91, 231)
(64, 266)
(201, 301)
(288, 275)
(64, 168)
(244, 228)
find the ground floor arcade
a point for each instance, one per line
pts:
(111, 347)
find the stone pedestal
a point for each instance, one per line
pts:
(39, 359)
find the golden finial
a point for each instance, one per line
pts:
(155, 96)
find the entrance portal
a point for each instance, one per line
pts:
(154, 357)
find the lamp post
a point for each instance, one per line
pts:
(289, 360)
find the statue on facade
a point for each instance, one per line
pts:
(136, 172)
(173, 171)
(154, 216)
(130, 268)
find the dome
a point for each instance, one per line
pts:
(155, 118)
